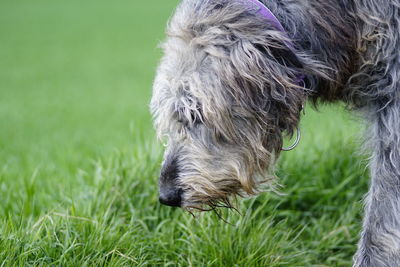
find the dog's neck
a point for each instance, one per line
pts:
(326, 38)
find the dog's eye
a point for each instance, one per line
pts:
(220, 138)
(190, 117)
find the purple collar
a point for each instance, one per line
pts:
(265, 12)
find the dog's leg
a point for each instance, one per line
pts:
(380, 238)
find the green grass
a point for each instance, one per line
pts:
(79, 161)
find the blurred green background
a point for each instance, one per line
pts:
(79, 160)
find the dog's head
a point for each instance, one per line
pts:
(224, 96)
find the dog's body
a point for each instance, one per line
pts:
(227, 91)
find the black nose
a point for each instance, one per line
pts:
(171, 197)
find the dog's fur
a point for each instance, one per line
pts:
(226, 94)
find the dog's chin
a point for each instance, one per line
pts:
(206, 203)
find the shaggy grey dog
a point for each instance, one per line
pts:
(228, 90)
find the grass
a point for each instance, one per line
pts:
(79, 162)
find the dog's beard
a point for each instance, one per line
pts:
(210, 182)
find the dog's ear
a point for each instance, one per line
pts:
(265, 72)
(260, 83)
(283, 54)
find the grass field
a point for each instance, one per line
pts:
(79, 161)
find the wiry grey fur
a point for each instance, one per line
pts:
(226, 94)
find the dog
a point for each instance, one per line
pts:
(232, 84)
